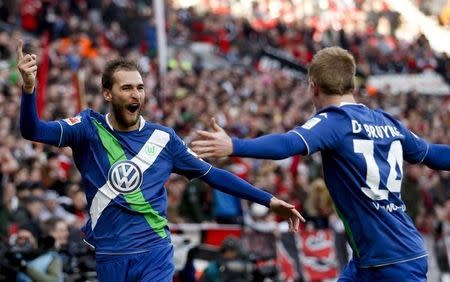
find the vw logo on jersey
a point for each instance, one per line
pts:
(125, 176)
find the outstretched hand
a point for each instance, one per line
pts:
(216, 143)
(288, 212)
(27, 66)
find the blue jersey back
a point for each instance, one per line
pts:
(123, 174)
(363, 152)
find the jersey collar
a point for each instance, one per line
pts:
(348, 103)
(141, 122)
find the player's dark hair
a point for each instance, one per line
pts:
(114, 66)
(333, 71)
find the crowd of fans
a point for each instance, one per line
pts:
(41, 192)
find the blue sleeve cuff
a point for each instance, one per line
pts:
(236, 146)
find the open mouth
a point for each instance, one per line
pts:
(132, 108)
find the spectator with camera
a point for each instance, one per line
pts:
(230, 264)
(30, 260)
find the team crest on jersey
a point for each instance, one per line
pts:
(73, 120)
(311, 123)
(125, 176)
(150, 149)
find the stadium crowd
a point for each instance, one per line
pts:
(41, 189)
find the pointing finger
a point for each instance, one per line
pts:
(19, 50)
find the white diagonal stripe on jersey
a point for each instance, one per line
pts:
(144, 159)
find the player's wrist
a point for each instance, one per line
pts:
(28, 89)
(231, 147)
(272, 202)
(234, 146)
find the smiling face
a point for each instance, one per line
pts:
(127, 98)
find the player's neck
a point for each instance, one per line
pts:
(118, 126)
(337, 100)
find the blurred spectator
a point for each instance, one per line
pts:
(196, 203)
(29, 214)
(34, 262)
(54, 209)
(441, 237)
(411, 191)
(229, 265)
(318, 204)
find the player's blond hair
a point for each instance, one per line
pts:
(333, 71)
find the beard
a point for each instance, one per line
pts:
(124, 118)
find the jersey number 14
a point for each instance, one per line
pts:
(395, 158)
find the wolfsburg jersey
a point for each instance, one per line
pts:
(363, 152)
(123, 176)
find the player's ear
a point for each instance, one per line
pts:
(107, 95)
(314, 88)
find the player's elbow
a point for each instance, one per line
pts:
(26, 132)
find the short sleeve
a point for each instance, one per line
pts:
(73, 130)
(185, 161)
(415, 149)
(323, 131)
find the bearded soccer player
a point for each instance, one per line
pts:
(362, 155)
(124, 162)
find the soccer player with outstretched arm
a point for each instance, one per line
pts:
(124, 162)
(362, 155)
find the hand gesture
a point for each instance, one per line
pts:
(288, 212)
(28, 68)
(212, 144)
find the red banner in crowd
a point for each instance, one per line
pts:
(319, 256)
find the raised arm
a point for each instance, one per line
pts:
(31, 126)
(271, 146)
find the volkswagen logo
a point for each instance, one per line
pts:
(125, 176)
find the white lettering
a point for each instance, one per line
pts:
(385, 130)
(366, 127)
(375, 131)
(391, 207)
(372, 130)
(379, 131)
(356, 126)
(391, 129)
